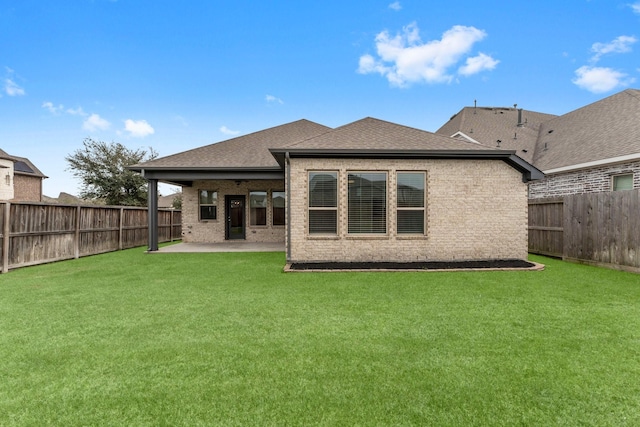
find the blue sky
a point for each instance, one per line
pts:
(178, 75)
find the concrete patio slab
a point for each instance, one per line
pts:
(222, 247)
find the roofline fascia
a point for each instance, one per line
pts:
(529, 172)
(587, 165)
(177, 175)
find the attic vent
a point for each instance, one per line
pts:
(551, 131)
(498, 143)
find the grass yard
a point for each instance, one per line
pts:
(228, 339)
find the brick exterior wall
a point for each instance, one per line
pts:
(476, 210)
(593, 180)
(27, 188)
(211, 231)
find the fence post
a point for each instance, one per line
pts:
(6, 231)
(120, 229)
(76, 243)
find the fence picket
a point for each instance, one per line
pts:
(37, 233)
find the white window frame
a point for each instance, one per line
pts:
(386, 204)
(323, 208)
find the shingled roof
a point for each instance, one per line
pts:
(375, 134)
(244, 152)
(22, 165)
(606, 129)
(514, 129)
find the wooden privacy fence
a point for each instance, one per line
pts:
(595, 228)
(36, 233)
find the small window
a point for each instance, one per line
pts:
(208, 204)
(323, 202)
(258, 207)
(367, 202)
(411, 202)
(623, 182)
(278, 207)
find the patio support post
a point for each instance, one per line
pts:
(287, 166)
(153, 215)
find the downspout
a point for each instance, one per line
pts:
(288, 190)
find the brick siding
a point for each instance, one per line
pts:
(592, 180)
(476, 210)
(27, 188)
(211, 231)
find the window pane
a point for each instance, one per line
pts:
(323, 189)
(367, 202)
(411, 221)
(208, 197)
(208, 212)
(258, 207)
(323, 221)
(623, 182)
(411, 190)
(278, 203)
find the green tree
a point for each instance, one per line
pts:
(102, 169)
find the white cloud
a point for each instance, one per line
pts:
(52, 108)
(477, 64)
(620, 44)
(273, 100)
(94, 122)
(228, 131)
(395, 5)
(76, 111)
(600, 79)
(138, 128)
(405, 59)
(635, 7)
(11, 88)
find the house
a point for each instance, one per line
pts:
(20, 180)
(595, 148)
(368, 191)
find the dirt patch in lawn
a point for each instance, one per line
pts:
(488, 265)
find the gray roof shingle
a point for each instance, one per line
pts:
(22, 165)
(487, 125)
(244, 152)
(602, 130)
(375, 134)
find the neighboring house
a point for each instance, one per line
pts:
(20, 180)
(168, 202)
(364, 192)
(595, 148)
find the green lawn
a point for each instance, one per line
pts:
(131, 339)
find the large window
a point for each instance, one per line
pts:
(258, 207)
(411, 202)
(367, 202)
(208, 202)
(623, 182)
(277, 207)
(323, 202)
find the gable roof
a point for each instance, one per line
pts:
(374, 134)
(374, 138)
(601, 131)
(22, 165)
(515, 129)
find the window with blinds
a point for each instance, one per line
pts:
(258, 207)
(367, 197)
(278, 207)
(208, 204)
(410, 196)
(323, 202)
